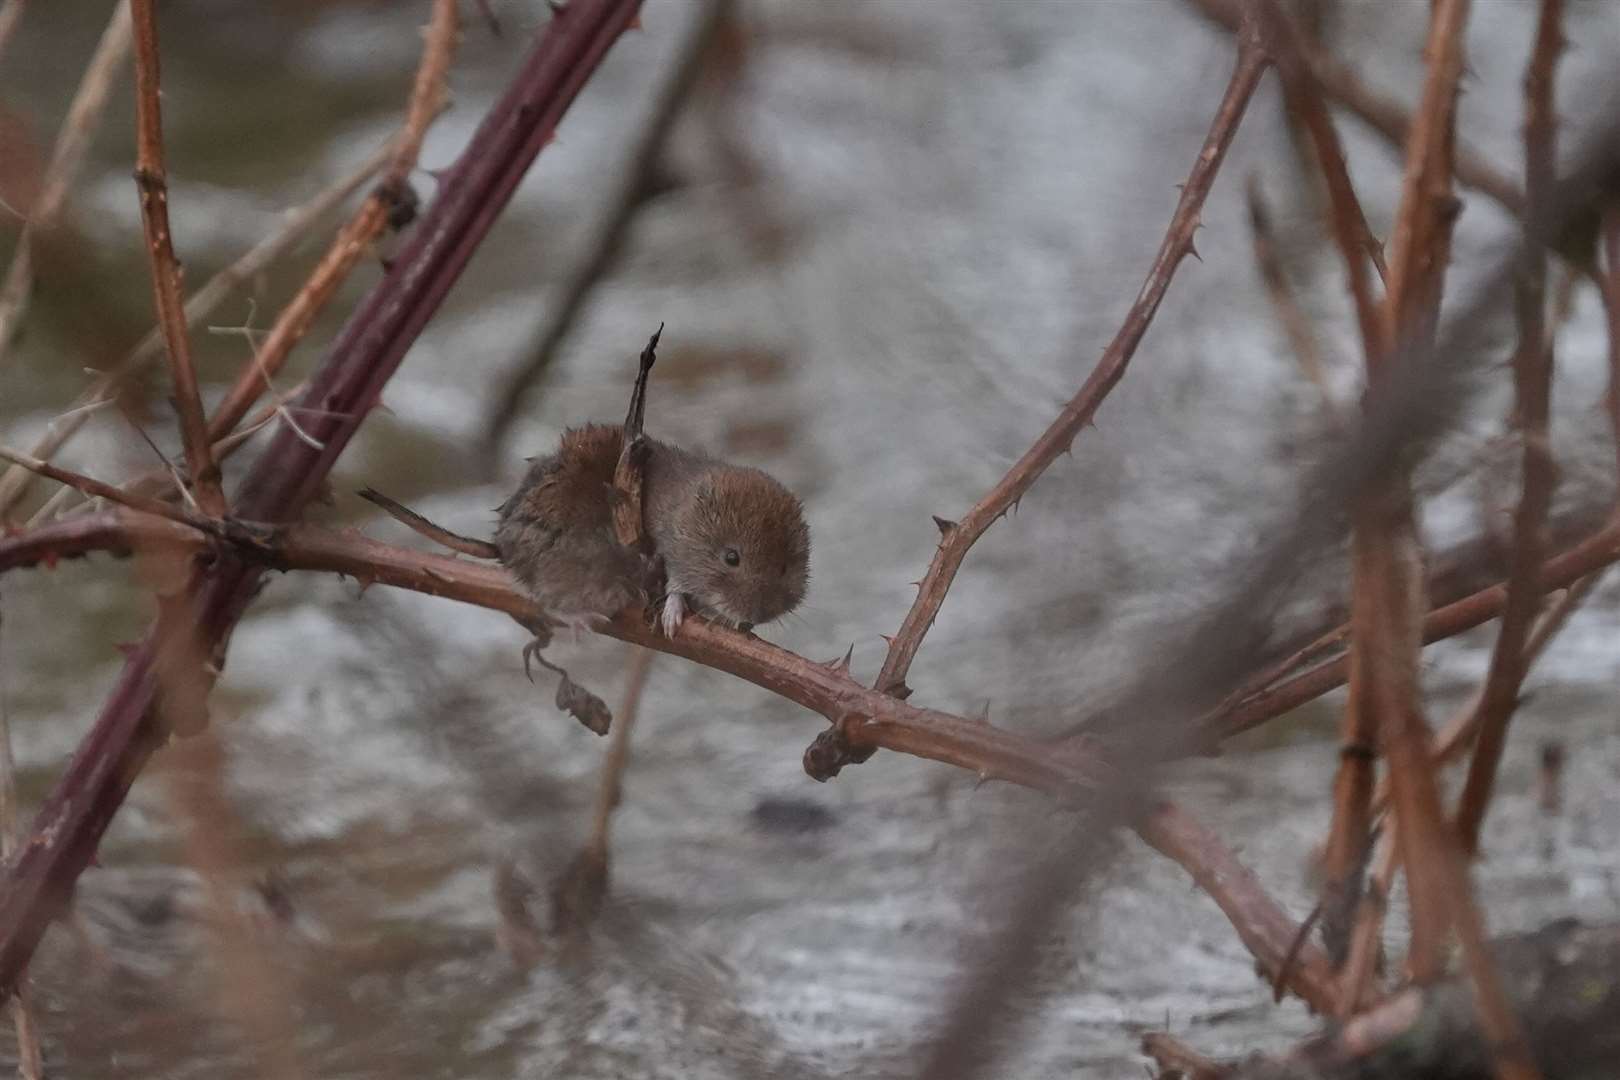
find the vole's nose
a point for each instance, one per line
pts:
(745, 627)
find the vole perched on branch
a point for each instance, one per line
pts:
(731, 541)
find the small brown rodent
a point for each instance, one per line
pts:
(732, 540)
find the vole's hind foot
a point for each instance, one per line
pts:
(674, 613)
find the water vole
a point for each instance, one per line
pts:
(732, 541)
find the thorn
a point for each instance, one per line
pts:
(558, 8)
(840, 665)
(635, 22)
(1192, 249)
(365, 583)
(887, 640)
(945, 525)
(983, 715)
(916, 584)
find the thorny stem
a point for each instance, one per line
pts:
(152, 183)
(1077, 414)
(1532, 378)
(1381, 534)
(355, 238)
(1287, 48)
(1265, 928)
(69, 825)
(1450, 741)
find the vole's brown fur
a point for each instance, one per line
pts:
(556, 534)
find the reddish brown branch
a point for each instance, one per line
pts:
(1266, 930)
(95, 488)
(1077, 414)
(1287, 48)
(70, 823)
(153, 185)
(1597, 551)
(1386, 116)
(356, 238)
(1532, 380)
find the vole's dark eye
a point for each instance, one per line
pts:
(732, 556)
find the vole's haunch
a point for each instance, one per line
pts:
(733, 541)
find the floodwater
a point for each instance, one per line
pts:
(885, 253)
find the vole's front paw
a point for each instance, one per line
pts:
(674, 614)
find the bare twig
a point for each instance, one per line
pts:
(1532, 378)
(97, 489)
(296, 224)
(1597, 551)
(152, 182)
(467, 545)
(355, 239)
(1264, 927)
(67, 157)
(1287, 48)
(959, 537)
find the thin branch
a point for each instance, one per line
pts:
(428, 92)
(1532, 378)
(1384, 115)
(67, 158)
(958, 537)
(296, 224)
(96, 489)
(1265, 929)
(1287, 46)
(1594, 553)
(153, 185)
